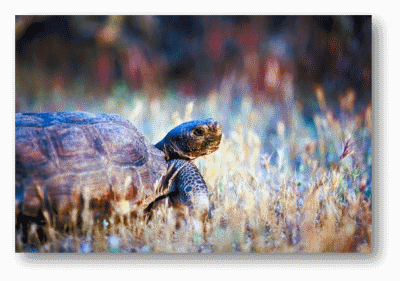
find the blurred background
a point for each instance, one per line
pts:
(270, 58)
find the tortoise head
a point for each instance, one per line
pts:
(191, 139)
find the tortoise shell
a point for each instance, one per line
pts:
(62, 159)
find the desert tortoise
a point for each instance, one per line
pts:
(65, 159)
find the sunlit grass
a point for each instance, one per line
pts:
(278, 184)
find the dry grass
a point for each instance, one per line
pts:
(278, 185)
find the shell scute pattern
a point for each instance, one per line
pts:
(64, 153)
(34, 148)
(123, 145)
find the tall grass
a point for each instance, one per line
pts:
(279, 184)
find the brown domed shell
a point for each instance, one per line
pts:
(63, 158)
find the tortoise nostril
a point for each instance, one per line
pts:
(217, 127)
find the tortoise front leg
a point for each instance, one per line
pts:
(185, 187)
(189, 188)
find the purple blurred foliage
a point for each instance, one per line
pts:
(275, 57)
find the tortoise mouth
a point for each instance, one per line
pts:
(211, 145)
(212, 149)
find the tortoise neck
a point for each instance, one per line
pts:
(169, 150)
(160, 145)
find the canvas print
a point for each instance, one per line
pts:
(193, 134)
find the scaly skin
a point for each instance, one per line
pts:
(189, 187)
(191, 140)
(182, 144)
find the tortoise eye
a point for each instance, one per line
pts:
(198, 132)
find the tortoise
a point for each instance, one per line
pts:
(65, 159)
